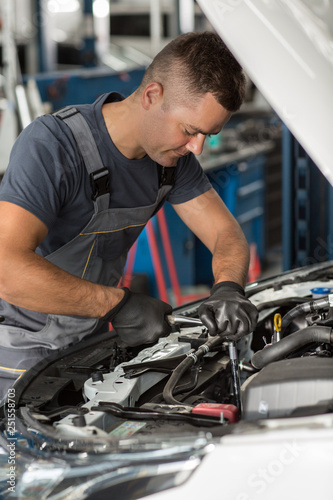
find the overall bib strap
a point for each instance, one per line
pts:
(99, 175)
(166, 181)
(166, 176)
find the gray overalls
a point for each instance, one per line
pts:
(98, 254)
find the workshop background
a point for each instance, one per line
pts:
(59, 52)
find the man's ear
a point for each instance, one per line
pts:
(152, 94)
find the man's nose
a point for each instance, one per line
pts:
(195, 144)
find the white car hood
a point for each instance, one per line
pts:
(286, 48)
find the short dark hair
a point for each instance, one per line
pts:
(202, 63)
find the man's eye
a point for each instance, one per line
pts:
(193, 134)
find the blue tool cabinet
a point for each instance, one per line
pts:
(307, 208)
(63, 88)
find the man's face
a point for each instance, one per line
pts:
(169, 133)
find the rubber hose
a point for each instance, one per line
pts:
(186, 365)
(174, 379)
(283, 302)
(275, 352)
(312, 306)
(189, 386)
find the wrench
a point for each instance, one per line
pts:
(183, 320)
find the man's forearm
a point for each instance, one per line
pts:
(231, 258)
(31, 282)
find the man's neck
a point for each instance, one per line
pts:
(120, 120)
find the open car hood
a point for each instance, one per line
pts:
(286, 48)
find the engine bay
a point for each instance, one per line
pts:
(186, 382)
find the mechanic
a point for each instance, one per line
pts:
(68, 218)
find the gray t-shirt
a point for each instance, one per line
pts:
(47, 177)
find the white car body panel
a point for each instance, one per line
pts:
(274, 464)
(287, 51)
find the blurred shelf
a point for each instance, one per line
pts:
(131, 8)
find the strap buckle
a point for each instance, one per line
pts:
(100, 183)
(166, 176)
(66, 112)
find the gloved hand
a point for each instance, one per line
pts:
(139, 319)
(227, 312)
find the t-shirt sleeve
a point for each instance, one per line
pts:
(191, 181)
(38, 177)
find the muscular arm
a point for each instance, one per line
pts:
(208, 218)
(30, 281)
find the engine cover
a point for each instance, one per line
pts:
(281, 387)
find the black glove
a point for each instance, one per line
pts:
(139, 319)
(227, 312)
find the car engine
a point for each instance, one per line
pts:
(190, 381)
